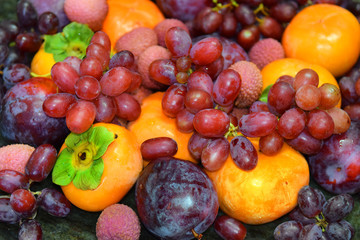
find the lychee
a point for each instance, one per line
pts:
(90, 12)
(118, 221)
(162, 27)
(265, 51)
(15, 156)
(151, 54)
(251, 83)
(137, 40)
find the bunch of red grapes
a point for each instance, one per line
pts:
(87, 93)
(318, 218)
(21, 205)
(18, 40)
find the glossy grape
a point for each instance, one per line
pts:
(248, 36)
(105, 108)
(127, 107)
(305, 143)
(320, 124)
(184, 121)
(341, 119)
(308, 97)
(283, 11)
(41, 162)
(11, 180)
(338, 207)
(226, 87)
(258, 106)
(163, 71)
(80, 116)
(116, 81)
(211, 122)
(91, 66)
(7, 214)
(297, 215)
(336, 230)
(306, 76)
(281, 97)
(229, 25)
(291, 123)
(56, 105)
(48, 23)
(100, 52)
(178, 41)
(87, 88)
(353, 110)
(244, 14)
(200, 80)
(103, 39)
(173, 100)
(243, 153)
(215, 153)
(30, 229)
(270, 28)
(271, 143)
(26, 14)
(64, 76)
(214, 68)
(330, 96)
(309, 202)
(15, 73)
(229, 228)
(208, 21)
(74, 62)
(310, 232)
(257, 124)
(288, 230)
(124, 58)
(206, 51)
(54, 202)
(196, 100)
(154, 148)
(23, 202)
(28, 42)
(196, 144)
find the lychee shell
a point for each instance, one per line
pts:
(118, 221)
(265, 51)
(251, 83)
(15, 156)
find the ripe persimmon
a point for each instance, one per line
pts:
(124, 15)
(324, 34)
(265, 193)
(42, 62)
(152, 123)
(122, 164)
(290, 66)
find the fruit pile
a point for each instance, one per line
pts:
(170, 119)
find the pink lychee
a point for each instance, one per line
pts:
(251, 83)
(265, 51)
(162, 27)
(151, 54)
(118, 221)
(15, 156)
(90, 12)
(137, 40)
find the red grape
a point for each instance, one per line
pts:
(200, 80)
(309, 201)
(127, 107)
(48, 23)
(116, 81)
(23, 202)
(308, 97)
(56, 105)
(178, 41)
(101, 38)
(30, 229)
(163, 71)
(281, 97)
(173, 99)
(257, 124)
(154, 148)
(196, 145)
(215, 153)
(330, 96)
(54, 202)
(243, 153)
(306, 76)
(7, 214)
(211, 122)
(206, 51)
(184, 121)
(100, 52)
(105, 108)
(226, 87)
(64, 76)
(11, 180)
(291, 123)
(320, 124)
(124, 58)
(80, 116)
(196, 100)
(91, 66)
(271, 143)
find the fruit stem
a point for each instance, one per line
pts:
(4, 196)
(40, 75)
(196, 235)
(261, 8)
(232, 132)
(321, 221)
(220, 6)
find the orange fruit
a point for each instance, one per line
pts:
(324, 34)
(42, 62)
(125, 15)
(265, 193)
(122, 166)
(290, 66)
(152, 123)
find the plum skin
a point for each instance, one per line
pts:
(337, 166)
(173, 197)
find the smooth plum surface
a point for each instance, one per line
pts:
(173, 197)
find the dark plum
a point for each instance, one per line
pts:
(175, 199)
(23, 119)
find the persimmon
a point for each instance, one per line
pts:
(97, 168)
(324, 34)
(152, 123)
(42, 62)
(265, 193)
(290, 66)
(124, 16)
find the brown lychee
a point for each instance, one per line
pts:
(118, 221)
(251, 83)
(265, 51)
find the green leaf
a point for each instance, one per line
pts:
(90, 178)
(100, 138)
(74, 140)
(63, 171)
(73, 41)
(264, 94)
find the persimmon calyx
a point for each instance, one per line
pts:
(81, 161)
(72, 41)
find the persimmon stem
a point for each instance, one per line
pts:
(196, 235)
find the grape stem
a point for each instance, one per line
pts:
(232, 132)
(321, 221)
(220, 6)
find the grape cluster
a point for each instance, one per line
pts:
(350, 92)
(22, 204)
(297, 111)
(20, 39)
(318, 218)
(96, 88)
